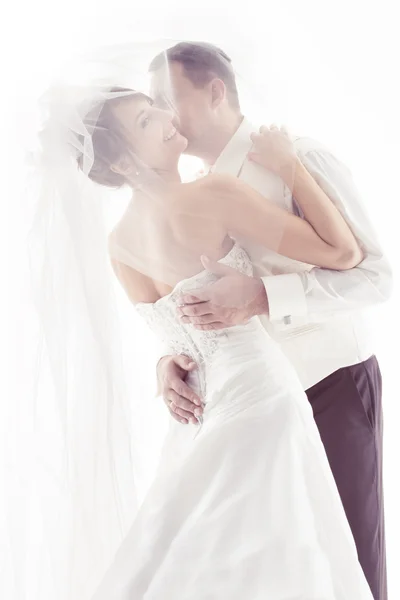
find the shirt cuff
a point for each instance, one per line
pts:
(286, 299)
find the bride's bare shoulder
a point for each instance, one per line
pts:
(216, 181)
(205, 191)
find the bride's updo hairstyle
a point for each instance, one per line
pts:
(110, 144)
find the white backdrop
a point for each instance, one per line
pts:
(337, 62)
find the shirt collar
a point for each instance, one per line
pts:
(234, 154)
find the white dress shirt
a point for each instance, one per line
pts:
(316, 315)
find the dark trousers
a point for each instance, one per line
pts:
(347, 408)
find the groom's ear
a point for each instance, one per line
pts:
(218, 92)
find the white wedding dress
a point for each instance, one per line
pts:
(244, 506)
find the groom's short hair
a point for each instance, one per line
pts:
(201, 62)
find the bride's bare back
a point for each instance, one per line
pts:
(164, 233)
(162, 238)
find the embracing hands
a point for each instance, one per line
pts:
(183, 404)
(273, 149)
(232, 300)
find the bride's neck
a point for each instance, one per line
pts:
(159, 178)
(160, 184)
(170, 176)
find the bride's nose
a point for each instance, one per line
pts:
(169, 119)
(168, 116)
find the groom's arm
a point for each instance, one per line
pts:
(295, 299)
(320, 293)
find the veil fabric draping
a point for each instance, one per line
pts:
(83, 373)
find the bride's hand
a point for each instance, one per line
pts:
(274, 150)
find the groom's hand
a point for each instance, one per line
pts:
(232, 300)
(182, 402)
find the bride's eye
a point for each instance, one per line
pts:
(145, 122)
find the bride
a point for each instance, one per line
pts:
(244, 505)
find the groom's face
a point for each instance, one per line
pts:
(191, 104)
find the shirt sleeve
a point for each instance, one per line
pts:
(320, 293)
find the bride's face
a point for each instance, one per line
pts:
(151, 132)
(192, 104)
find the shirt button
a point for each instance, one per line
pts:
(287, 320)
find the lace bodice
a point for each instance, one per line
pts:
(182, 338)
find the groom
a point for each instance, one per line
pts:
(314, 314)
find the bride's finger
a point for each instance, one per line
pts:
(274, 127)
(264, 129)
(284, 130)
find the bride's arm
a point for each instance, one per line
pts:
(324, 239)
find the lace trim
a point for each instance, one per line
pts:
(180, 337)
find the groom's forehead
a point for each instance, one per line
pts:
(168, 79)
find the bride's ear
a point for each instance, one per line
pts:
(125, 167)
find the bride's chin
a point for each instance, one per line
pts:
(182, 141)
(178, 145)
